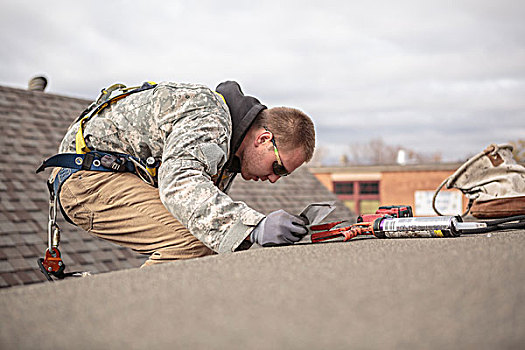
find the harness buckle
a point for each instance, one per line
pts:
(143, 172)
(113, 162)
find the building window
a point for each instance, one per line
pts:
(346, 187)
(362, 197)
(369, 187)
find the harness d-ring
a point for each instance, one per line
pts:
(140, 169)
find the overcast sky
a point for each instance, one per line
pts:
(432, 76)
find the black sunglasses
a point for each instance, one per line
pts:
(278, 167)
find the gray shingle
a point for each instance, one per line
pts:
(11, 279)
(5, 266)
(6, 240)
(31, 238)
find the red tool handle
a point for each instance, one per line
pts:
(346, 233)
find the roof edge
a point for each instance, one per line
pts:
(40, 93)
(385, 168)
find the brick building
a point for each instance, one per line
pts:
(364, 188)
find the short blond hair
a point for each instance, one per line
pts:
(291, 128)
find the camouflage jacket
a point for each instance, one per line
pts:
(189, 128)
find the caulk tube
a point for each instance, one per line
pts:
(418, 227)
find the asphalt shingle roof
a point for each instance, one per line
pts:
(32, 125)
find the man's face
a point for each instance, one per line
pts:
(259, 155)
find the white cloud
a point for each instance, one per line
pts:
(416, 72)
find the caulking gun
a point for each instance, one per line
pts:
(391, 227)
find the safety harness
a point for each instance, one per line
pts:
(92, 160)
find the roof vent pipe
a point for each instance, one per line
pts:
(37, 83)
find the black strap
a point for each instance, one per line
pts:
(88, 161)
(510, 223)
(94, 161)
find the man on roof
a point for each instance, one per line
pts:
(200, 139)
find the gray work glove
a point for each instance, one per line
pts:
(279, 228)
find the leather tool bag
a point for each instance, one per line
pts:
(492, 181)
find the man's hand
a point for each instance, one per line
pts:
(279, 228)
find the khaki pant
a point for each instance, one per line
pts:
(122, 209)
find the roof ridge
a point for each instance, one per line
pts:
(40, 93)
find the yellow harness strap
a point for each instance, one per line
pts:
(221, 97)
(80, 142)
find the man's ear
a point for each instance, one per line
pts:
(262, 137)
